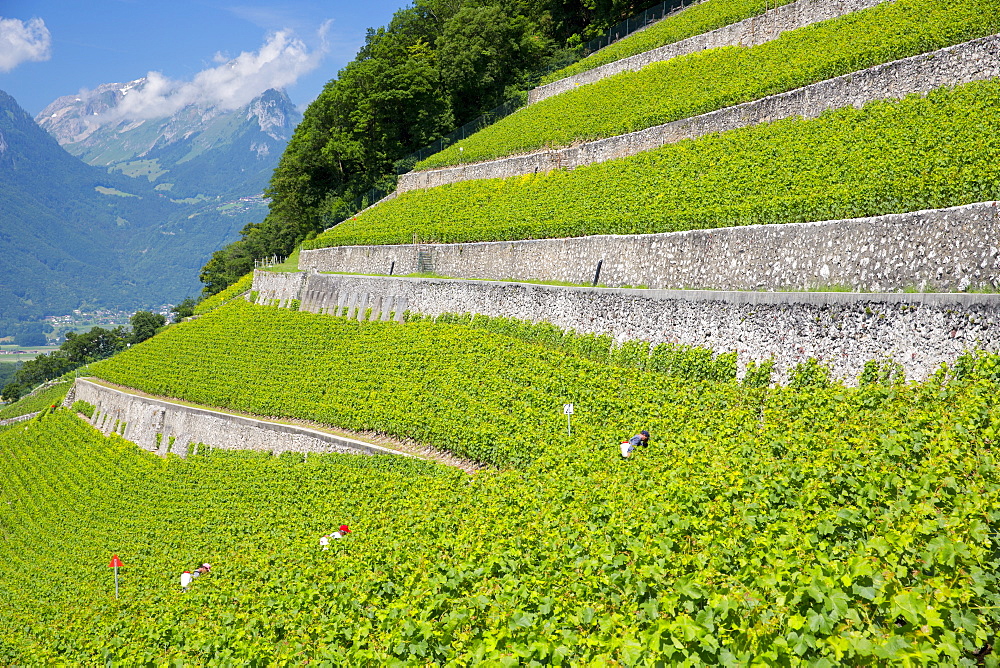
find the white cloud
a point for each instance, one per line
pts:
(22, 41)
(279, 63)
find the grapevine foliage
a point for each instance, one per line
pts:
(718, 78)
(678, 360)
(220, 298)
(36, 401)
(821, 525)
(888, 157)
(488, 396)
(694, 20)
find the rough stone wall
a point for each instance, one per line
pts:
(19, 418)
(749, 32)
(274, 288)
(972, 61)
(152, 423)
(941, 249)
(844, 330)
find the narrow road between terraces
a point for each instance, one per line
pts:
(405, 447)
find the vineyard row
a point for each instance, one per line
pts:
(719, 78)
(887, 157)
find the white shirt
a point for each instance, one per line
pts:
(324, 542)
(185, 580)
(336, 534)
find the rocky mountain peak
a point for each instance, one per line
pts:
(84, 125)
(203, 153)
(74, 118)
(271, 111)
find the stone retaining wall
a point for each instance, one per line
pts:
(749, 32)
(940, 249)
(19, 418)
(162, 426)
(276, 288)
(972, 61)
(844, 330)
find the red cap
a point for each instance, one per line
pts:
(343, 527)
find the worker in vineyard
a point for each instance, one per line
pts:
(642, 438)
(201, 570)
(324, 541)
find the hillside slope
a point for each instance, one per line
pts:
(887, 157)
(808, 524)
(59, 232)
(717, 78)
(817, 525)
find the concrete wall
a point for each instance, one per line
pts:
(941, 249)
(920, 331)
(750, 32)
(972, 61)
(145, 419)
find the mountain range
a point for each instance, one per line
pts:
(198, 151)
(99, 211)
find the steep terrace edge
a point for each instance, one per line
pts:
(753, 31)
(975, 60)
(844, 330)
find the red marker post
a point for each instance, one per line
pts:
(115, 563)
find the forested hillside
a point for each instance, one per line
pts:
(436, 66)
(109, 236)
(57, 227)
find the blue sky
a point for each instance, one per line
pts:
(197, 49)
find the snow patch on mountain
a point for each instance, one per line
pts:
(270, 115)
(89, 124)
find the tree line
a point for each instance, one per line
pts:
(80, 349)
(436, 66)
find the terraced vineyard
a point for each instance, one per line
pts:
(679, 361)
(221, 297)
(821, 525)
(693, 20)
(73, 497)
(41, 398)
(812, 524)
(888, 157)
(490, 397)
(718, 78)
